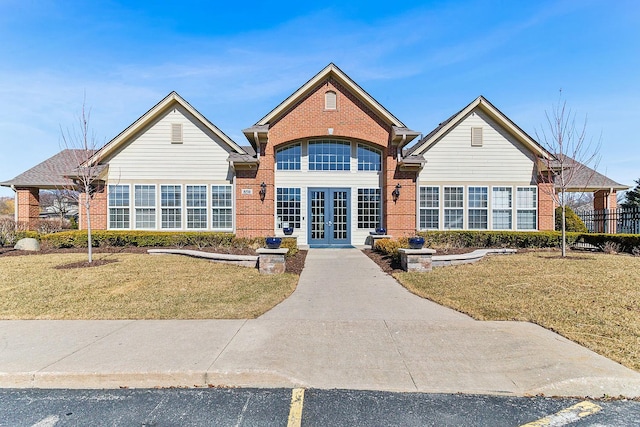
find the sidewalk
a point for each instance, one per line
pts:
(348, 325)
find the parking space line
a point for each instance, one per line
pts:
(566, 416)
(295, 412)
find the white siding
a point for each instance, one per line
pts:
(151, 156)
(500, 159)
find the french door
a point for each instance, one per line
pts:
(329, 213)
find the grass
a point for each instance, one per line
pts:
(592, 299)
(137, 286)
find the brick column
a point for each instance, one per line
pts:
(254, 217)
(546, 207)
(399, 216)
(98, 210)
(28, 207)
(606, 202)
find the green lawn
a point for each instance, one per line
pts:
(592, 299)
(137, 286)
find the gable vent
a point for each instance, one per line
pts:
(476, 137)
(330, 100)
(176, 133)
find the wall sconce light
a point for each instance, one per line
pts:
(263, 191)
(396, 192)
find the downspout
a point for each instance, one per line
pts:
(15, 204)
(257, 141)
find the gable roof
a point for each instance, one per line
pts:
(331, 70)
(157, 110)
(488, 108)
(583, 178)
(51, 173)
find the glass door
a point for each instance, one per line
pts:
(329, 213)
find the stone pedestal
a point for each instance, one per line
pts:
(271, 261)
(416, 259)
(372, 238)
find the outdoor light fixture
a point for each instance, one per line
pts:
(396, 192)
(263, 191)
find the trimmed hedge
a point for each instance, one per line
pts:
(496, 239)
(200, 239)
(627, 242)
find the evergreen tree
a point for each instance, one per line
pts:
(632, 197)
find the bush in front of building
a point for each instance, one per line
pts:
(572, 221)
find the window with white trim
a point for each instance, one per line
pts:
(144, 201)
(330, 100)
(526, 208)
(429, 208)
(478, 207)
(502, 208)
(119, 206)
(369, 159)
(222, 207)
(453, 207)
(368, 208)
(288, 158)
(196, 206)
(288, 207)
(171, 206)
(329, 155)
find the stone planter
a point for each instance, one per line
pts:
(416, 242)
(273, 242)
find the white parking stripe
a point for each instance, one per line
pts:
(50, 421)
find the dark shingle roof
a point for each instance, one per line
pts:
(51, 173)
(581, 177)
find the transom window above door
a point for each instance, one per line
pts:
(329, 155)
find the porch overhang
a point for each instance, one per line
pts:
(401, 136)
(257, 135)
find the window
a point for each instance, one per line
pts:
(287, 207)
(118, 206)
(476, 137)
(369, 159)
(145, 206)
(196, 206)
(221, 207)
(176, 133)
(330, 100)
(288, 158)
(171, 206)
(329, 155)
(453, 207)
(478, 207)
(429, 208)
(526, 205)
(368, 208)
(502, 208)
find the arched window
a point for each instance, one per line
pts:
(288, 158)
(369, 159)
(330, 100)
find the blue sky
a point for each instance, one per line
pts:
(234, 62)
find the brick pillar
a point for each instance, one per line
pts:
(400, 216)
(546, 207)
(28, 207)
(606, 203)
(254, 217)
(98, 210)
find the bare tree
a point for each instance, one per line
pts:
(61, 202)
(81, 143)
(573, 153)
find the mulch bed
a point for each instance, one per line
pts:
(294, 264)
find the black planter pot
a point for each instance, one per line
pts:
(273, 242)
(288, 231)
(416, 242)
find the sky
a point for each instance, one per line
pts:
(234, 62)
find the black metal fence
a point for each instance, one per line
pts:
(620, 221)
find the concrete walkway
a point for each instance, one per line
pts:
(348, 325)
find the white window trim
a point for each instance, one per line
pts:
(469, 208)
(438, 209)
(135, 207)
(181, 207)
(210, 207)
(207, 190)
(463, 207)
(493, 208)
(518, 208)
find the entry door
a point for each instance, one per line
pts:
(329, 213)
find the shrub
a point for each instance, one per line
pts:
(572, 221)
(494, 239)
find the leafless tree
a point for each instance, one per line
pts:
(575, 157)
(82, 143)
(59, 202)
